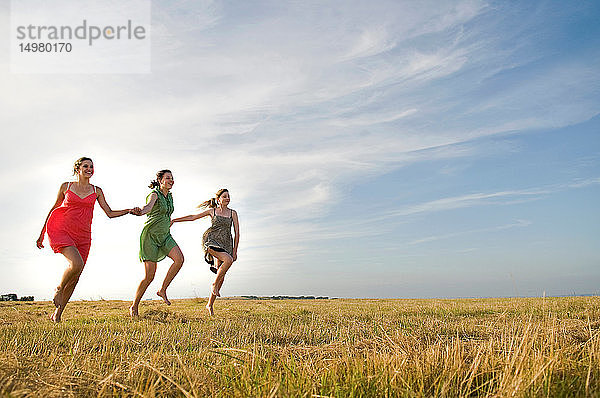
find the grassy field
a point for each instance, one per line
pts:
(444, 348)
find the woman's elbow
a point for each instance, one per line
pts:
(112, 213)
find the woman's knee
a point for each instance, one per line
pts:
(76, 262)
(226, 264)
(149, 277)
(77, 265)
(176, 255)
(150, 268)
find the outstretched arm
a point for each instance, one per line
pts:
(191, 217)
(149, 205)
(109, 212)
(59, 199)
(236, 230)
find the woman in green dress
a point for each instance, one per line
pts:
(156, 241)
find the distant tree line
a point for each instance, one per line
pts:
(13, 297)
(286, 297)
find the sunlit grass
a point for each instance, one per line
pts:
(412, 348)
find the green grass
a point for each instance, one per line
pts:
(530, 347)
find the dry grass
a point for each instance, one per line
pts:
(411, 348)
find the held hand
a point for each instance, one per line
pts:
(171, 224)
(40, 242)
(136, 211)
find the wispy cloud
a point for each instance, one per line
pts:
(517, 224)
(491, 198)
(372, 119)
(582, 183)
(463, 201)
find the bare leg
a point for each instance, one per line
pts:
(68, 290)
(225, 263)
(209, 305)
(217, 264)
(220, 282)
(213, 296)
(73, 271)
(222, 261)
(68, 282)
(177, 256)
(150, 267)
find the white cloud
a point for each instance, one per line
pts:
(492, 198)
(369, 120)
(456, 202)
(517, 224)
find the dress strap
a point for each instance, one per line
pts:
(215, 212)
(95, 190)
(69, 185)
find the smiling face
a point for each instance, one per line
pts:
(167, 181)
(224, 199)
(86, 169)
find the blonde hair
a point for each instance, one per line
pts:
(212, 202)
(78, 162)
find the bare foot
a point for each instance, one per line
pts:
(57, 300)
(55, 317)
(163, 295)
(133, 312)
(210, 310)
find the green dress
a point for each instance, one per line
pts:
(156, 240)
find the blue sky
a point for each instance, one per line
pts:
(381, 149)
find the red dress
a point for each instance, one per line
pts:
(71, 223)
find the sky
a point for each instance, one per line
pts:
(384, 149)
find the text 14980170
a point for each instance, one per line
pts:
(45, 47)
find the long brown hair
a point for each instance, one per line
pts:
(78, 162)
(212, 202)
(159, 176)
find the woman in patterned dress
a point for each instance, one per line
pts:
(156, 241)
(69, 228)
(220, 248)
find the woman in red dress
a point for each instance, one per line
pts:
(68, 225)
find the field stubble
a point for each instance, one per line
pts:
(444, 348)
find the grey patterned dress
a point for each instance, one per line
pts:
(218, 237)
